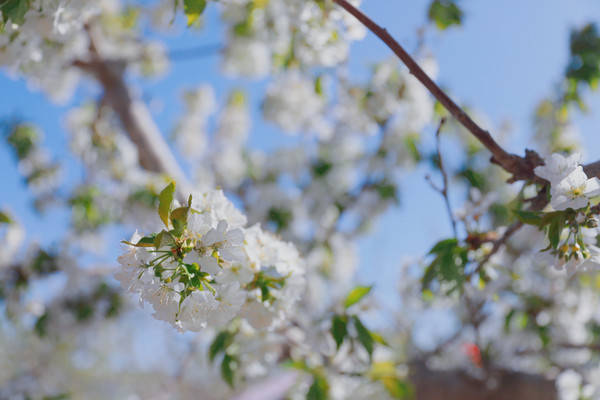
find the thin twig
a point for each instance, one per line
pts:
(497, 244)
(444, 189)
(520, 167)
(445, 178)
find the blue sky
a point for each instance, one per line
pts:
(506, 57)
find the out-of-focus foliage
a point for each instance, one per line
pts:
(445, 13)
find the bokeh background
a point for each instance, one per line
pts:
(503, 59)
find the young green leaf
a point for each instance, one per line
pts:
(179, 219)
(448, 265)
(319, 390)
(356, 295)
(397, 388)
(555, 229)
(529, 217)
(445, 13)
(4, 218)
(364, 336)
(165, 198)
(163, 238)
(339, 329)
(14, 10)
(379, 339)
(146, 241)
(220, 344)
(228, 366)
(193, 9)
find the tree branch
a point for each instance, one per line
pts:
(520, 167)
(444, 189)
(153, 151)
(497, 245)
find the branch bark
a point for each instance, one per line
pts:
(153, 150)
(520, 167)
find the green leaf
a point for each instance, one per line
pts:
(163, 238)
(397, 388)
(529, 217)
(193, 9)
(281, 217)
(356, 295)
(364, 336)
(179, 219)
(14, 10)
(379, 339)
(508, 319)
(448, 265)
(146, 241)
(220, 344)
(339, 329)
(300, 365)
(5, 219)
(411, 142)
(584, 64)
(321, 168)
(555, 229)
(228, 367)
(319, 390)
(165, 198)
(474, 178)
(445, 13)
(41, 325)
(443, 246)
(387, 190)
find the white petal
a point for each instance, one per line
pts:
(592, 187)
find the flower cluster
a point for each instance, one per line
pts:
(206, 268)
(268, 35)
(570, 186)
(573, 227)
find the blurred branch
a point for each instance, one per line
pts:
(153, 150)
(444, 189)
(520, 167)
(497, 245)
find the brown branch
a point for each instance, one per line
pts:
(520, 167)
(592, 169)
(153, 151)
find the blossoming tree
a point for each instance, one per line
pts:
(248, 258)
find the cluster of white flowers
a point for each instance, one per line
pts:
(230, 138)
(270, 34)
(571, 189)
(191, 132)
(11, 237)
(294, 103)
(570, 186)
(209, 268)
(100, 145)
(42, 44)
